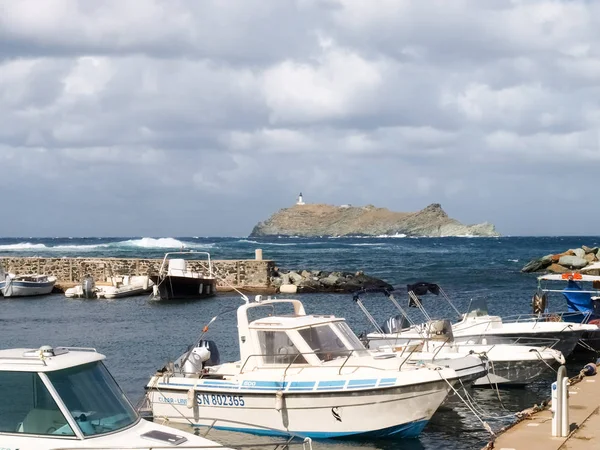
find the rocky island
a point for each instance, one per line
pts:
(309, 220)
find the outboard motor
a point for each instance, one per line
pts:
(395, 324)
(440, 330)
(195, 360)
(215, 358)
(88, 287)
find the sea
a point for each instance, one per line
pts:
(138, 335)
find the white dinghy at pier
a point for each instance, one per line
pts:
(299, 373)
(115, 287)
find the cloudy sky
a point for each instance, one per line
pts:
(174, 118)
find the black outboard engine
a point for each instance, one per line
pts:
(215, 358)
(395, 324)
(88, 287)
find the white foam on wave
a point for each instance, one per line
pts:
(397, 235)
(248, 241)
(169, 243)
(148, 242)
(23, 246)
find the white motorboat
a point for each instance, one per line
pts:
(434, 341)
(25, 285)
(115, 287)
(477, 326)
(177, 281)
(65, 398)
(304, 374)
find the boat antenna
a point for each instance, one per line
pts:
(205, 329)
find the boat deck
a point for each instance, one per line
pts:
(535, 432)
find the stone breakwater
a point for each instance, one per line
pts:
(255, 275)
(324, 281)
(242, 274)
(572, 259)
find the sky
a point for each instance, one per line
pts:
(180, 118)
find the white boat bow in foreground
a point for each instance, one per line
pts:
(65, 398)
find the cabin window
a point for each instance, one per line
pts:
(355, 344)
(324, 342)
(94, 398)
(27, 406)
(277, 348)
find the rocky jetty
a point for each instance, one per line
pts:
(323, 281)
(311, 220)
(572, 259)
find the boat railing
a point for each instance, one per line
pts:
(164, 266)
(25, 360)
(38, 356)
(547, 317)
(301, 366)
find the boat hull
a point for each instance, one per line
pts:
(400, 411)
(514, 373)
(565, 341)
(26, 288)
(185, 288)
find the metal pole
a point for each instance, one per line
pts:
(560, 404)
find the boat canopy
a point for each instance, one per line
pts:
(423, 288)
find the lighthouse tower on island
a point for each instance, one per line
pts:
(300, 201)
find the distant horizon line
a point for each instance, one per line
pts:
(300, 237)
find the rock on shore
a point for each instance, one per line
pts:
(323, 281)
(328, 220)
(572, 259)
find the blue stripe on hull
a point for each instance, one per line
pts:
(405, 430)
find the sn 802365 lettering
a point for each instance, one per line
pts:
(220, 400)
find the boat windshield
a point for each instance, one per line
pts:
(330, 341)
(28, 407)
(477, 308)
(94, 399)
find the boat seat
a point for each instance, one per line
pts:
(44, 421)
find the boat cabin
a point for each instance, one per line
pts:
(297, 338)
(60, 392)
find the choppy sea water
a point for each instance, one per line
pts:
(138, 336)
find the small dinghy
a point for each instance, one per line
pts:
(115, 287)
(299, 373)
(25, 285)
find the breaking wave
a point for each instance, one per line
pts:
(145, 243)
